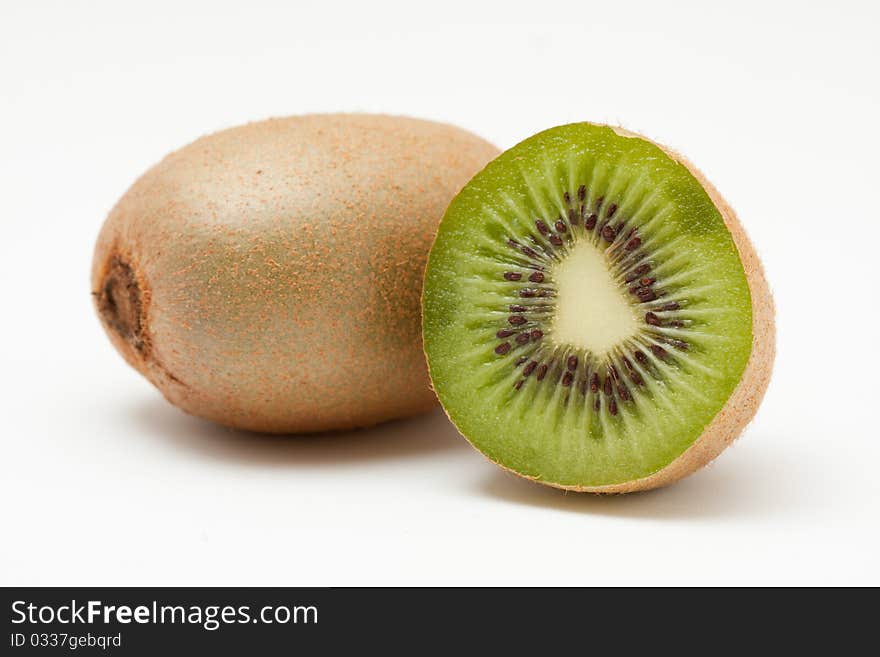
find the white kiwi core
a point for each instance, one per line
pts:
(592, 311)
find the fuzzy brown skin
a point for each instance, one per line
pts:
(268, 277)
(742, 405)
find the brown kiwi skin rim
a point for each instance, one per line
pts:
(743, 403)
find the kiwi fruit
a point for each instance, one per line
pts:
(594, 316)
(268, 277)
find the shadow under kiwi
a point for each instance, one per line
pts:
(752, 480)
(422, 436)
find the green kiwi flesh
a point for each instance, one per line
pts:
(586, 312)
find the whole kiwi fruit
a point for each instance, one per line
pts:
(268, 277)
(595, 317)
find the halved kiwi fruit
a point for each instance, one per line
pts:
(594, 316)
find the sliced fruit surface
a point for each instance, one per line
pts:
(586, 311)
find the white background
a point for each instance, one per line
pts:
(103, 482)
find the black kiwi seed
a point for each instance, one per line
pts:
(612, 406)
(591, 222)
(522, 338)
(528, 369)
(560, 226)
(659, 351)
(512, 276)
(503, 348)
(572, 363)
(542, 372)
(634, 375)
(537, 277)
(614, 373)
(542, 227)
(504, 333)
(641, 270)
(582, 193)
(516, 320)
